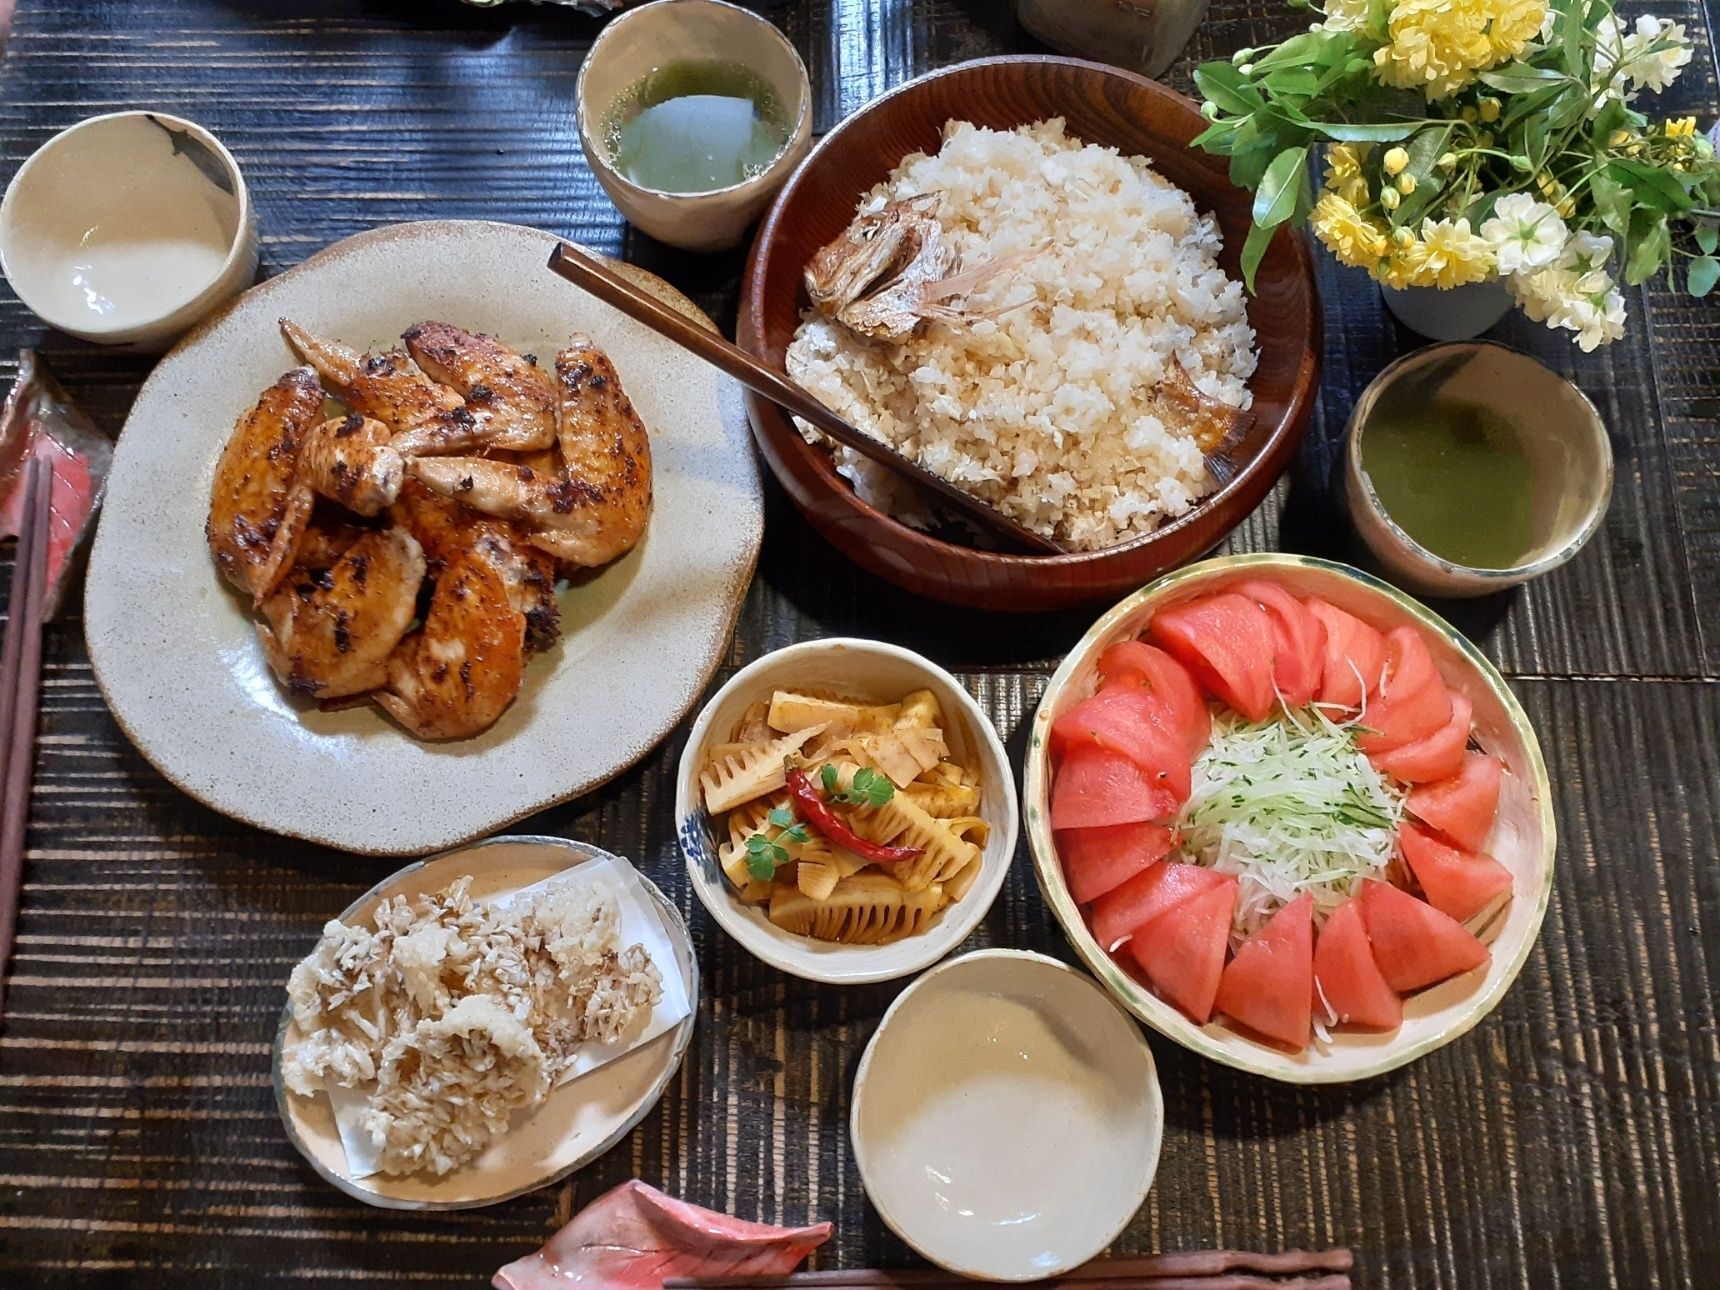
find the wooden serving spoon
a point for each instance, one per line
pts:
(593, 275)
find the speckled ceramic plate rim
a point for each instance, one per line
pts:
(998, 856)
(1161, 1016)
(1153, 1093)
(452, 835)
(580, 853)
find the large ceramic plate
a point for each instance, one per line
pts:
(175, 650)
(577, 1123)
(1522, 840)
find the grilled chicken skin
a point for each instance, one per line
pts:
(386, 387)
(254, 477)
(594, 507)
(511, 399)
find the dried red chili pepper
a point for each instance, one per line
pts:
(820, 815)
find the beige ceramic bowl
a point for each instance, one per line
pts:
(670, 31)
(1570, 461)
(125, 229)
(1522, 840)
(576, 1124)
(883, 673)
(1007, 1118)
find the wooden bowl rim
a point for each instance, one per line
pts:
(768, 420)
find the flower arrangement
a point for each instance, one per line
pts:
(1473, 141)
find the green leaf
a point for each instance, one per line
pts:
(1648, 250)
(1612, 203)
(1254, 251)
(830, 780)
(1571, 33)
(1652, 186)
(782, 817)
(1520, 78)
(761, 864)
(870, 788)
(1707, 236)
(796, 834)
(1704, 273)
(758, 844)
(1223, 84)
(1283, 188)
(1248, 168)
(1349, 132)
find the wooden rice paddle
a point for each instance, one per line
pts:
(593, 275)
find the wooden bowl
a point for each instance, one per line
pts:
(1101, 105)
(1523, 838)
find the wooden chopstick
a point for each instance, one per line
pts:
(1195, 1269)
(20, 687)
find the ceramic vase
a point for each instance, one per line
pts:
(1142, 35)
(1462, 313)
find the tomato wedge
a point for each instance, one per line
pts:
(1130, 722)
(1347, 981)
(1354, 656)
(1414, 944)
(1122, 913)
(1136, 663)
(1096, 861)
(1436, 756)
(1095, 787)
(1412, 704)
(1182, 951)
(1227, 642)
(1269, 985)
(1463, 806)
(1301, 641)
(1458, 883)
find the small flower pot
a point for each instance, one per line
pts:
(1462, 313)
(1142, 35)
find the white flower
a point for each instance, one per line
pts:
(1583, 300)
(1586, 252)
(1650, 57)
(1598, 320)
(1525, 234)
(1346, 15)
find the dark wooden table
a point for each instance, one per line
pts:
(1572, 1140)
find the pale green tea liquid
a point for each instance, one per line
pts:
(693, 127)
(1455, 478)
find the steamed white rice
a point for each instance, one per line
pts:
(1047, 410)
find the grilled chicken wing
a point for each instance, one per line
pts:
(386, 387)
(446, 529)
(594, 508)
(331, 633)
(347, 460)
(255, 475)
(455, 675)
(510, 398)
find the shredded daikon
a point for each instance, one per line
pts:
(1289, 805)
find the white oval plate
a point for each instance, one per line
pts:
(175, 650)
(881, 673)
(576, 1124)
(1522, 840)
(1007, 1117)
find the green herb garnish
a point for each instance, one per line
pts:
(766, 852)
(868, 788)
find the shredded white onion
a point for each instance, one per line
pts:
(1289, 805)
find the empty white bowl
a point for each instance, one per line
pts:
(1007, 1118)
(670, 31)
(879, 672)
(126, 229)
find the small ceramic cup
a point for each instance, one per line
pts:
(126, 229)
(880, 673)
(670, 31)
(1569, 456)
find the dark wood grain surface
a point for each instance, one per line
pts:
(1573, 1140)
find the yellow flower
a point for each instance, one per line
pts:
(1343, 165)
(1395, 160)
(1351, 236)
(1389, 198)
(1438, 46)
(1618, 138)
(1683, 127)
(1448, 255)
(1406, 184)
(1489, 109)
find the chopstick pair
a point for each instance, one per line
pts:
(20, 688)
(1191, 1270)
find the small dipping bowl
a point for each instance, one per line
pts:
(671, 31)
(126, 229)
(1561, 434)
(1007, 1117)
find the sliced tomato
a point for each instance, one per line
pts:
(1136, 663)
(1437, 756)
(1458, 883)
(1121, 913)
(1347, 981)
(1226, 641)
(1354, 657)
(1269, 985)
(1463, 806)
(1132, 723)
(1094, 787)
(1182, 950)
(1413, 703)
(1096, 861)
(1414, 944)
(1301, 640)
